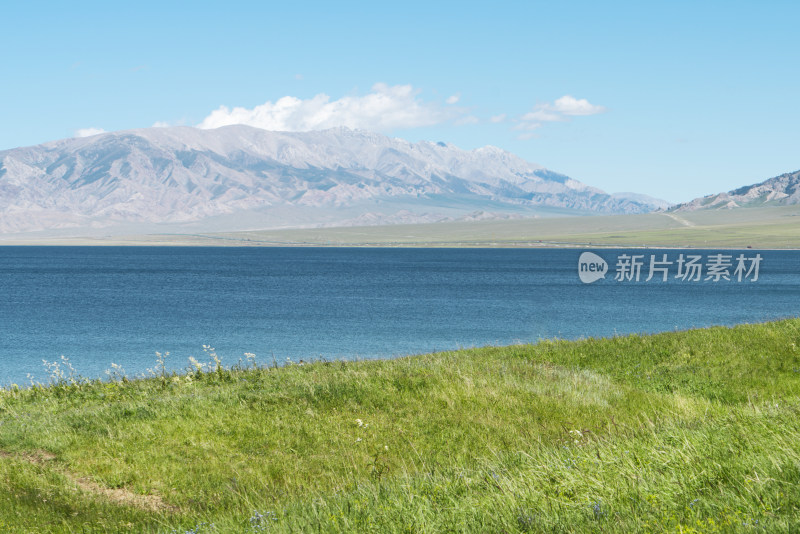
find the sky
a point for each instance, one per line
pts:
(671, 99)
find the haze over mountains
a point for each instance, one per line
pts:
(240, 178)
(781, 190)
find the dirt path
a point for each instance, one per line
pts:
(45, 459)
(681, 220)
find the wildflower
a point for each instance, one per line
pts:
(358, 439)
(359, 422)
(258, 521)
(597, 508)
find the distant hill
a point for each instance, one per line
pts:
(782, 190)
(656, 203)
(241, 178)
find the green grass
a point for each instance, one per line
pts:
(760, 227)
(695, 431)
(774, 227)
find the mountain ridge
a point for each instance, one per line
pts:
(781, 190)
(185, 175)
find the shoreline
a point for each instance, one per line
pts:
(206, 241)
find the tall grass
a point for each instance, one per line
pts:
(692, 431)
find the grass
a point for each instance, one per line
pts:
(695, 431)
(763, 227)
(759, 227)
(773, 227)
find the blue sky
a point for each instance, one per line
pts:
(674, 99)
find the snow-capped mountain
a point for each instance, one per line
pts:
(778, 191)
(239, 177)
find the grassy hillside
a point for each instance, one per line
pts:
(694, 431)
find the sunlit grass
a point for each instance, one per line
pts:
(692, 431)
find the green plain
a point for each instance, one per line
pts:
(775, 227)
(760, 228)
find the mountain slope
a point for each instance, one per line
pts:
(239, 177)
(781, 190)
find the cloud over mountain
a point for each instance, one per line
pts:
(88, 132)
(384, 108)
(558, 111)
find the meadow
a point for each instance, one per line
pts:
(770, 227)
(759, 227)
(693, 431)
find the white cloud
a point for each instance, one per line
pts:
(498, 118)
(384, 108)
(160, 124)
(569, 105)
(87, 132)
(453, 99)
(561, 110)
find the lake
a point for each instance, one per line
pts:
(102, 305)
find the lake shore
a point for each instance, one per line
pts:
(693, 431)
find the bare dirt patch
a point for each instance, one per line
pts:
(153, 503)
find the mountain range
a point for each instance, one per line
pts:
(241, 178)
(778, 191)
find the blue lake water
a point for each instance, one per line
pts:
(98, 305)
